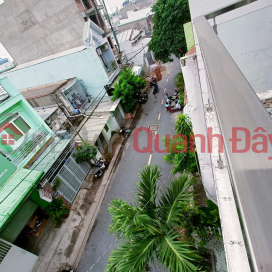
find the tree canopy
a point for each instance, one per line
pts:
(168, 33)
(126, 88)
(183, 160)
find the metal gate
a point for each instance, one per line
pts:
(72, 175)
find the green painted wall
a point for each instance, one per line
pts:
(6, 169)
(189, 36)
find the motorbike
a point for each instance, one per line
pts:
(155, 89)
(142, 98)
(154, 84)
(101, 165)
(99, 173)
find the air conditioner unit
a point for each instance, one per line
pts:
(99, 52)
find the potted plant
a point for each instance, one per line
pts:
(57, 209)
(86, 152)
(56, 184)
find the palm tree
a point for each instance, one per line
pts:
(150, 228)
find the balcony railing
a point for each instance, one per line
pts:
(29, 146)
(237, 106)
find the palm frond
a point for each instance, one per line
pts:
(149, 225)
(132, 256)
(122, 215)
(146, 193)
(174, 196)
(178, 256)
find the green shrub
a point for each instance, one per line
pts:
(57, 209)
(179, 81)
(126, 88)
(86, 152)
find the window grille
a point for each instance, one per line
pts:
(4, 95)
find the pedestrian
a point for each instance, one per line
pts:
(166, 95)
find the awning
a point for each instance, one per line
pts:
(92, 128)
(16, 224)
(15, 190)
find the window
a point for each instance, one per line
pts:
(17, 127)
(3, 95)
(106, 128)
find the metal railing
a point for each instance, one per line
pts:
(28, 146)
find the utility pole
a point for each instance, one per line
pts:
(115, 37)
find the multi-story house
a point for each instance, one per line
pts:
(230, 63)
(23, 135)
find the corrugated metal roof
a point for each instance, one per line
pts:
(139, 58)
(106, 105)
(134, 16)
(14, 191)
(93, 128)
(43, 90)
(124, 36)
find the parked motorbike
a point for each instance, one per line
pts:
(142, 99)
(99, 173)
(101, 165)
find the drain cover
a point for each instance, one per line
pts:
(154, 127)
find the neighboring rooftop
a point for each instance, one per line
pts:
(106, 105)
(43, 90)
(128, 35)
(55, 56)
(92, 128)
(140, 48)
(134, 16)
(45, 112)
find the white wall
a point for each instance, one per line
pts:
(35, 29)
(18, 259)
(246, 34)
(248, 39)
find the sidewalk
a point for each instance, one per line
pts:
(64, 245)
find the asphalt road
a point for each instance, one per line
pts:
(125, 177)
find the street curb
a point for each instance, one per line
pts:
(92, 214)
(94, 210)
